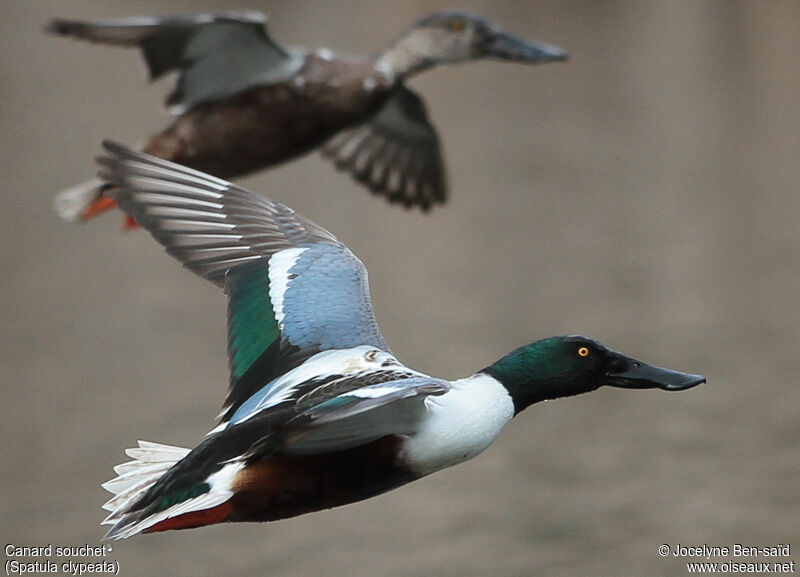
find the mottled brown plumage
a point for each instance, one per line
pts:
(265, 125)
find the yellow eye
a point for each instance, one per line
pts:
(456, 25)
(583, 352)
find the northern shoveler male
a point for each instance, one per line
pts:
(245, 103)
(319, 412)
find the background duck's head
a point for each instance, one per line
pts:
(564, 366)
(455, 36)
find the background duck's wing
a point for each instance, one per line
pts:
(293, 288)
(396, 153)
(216, 55)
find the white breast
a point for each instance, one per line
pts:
(459, 425)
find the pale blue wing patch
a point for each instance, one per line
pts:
(325, 304)
(309, 299)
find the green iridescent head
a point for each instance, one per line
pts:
(565, 366)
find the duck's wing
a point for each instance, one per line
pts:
(322, 377)
(362, 415)
(215, 55)
(396, 153)
(325, 405)
(293, 288)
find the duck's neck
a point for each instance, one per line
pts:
(531, 374)
(403, 59)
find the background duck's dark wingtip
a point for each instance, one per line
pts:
(57, 27)
(113, 147)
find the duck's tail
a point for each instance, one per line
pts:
(82, 201)
(136, 509)
(86, 200)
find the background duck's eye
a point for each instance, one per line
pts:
(456, 25)
(583, 351)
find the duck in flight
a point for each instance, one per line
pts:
(319, 413)
(243, 102)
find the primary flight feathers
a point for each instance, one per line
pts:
(273, 264)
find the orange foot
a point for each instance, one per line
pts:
(98, 206)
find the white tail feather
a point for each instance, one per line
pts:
(136, 477)
(72, 202)
(149, 452)
(151, 461)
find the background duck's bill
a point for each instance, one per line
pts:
(508, 47)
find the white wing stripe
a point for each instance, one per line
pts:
(279, 265)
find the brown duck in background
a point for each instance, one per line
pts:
(244, 103)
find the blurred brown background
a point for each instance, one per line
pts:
(644, 193)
